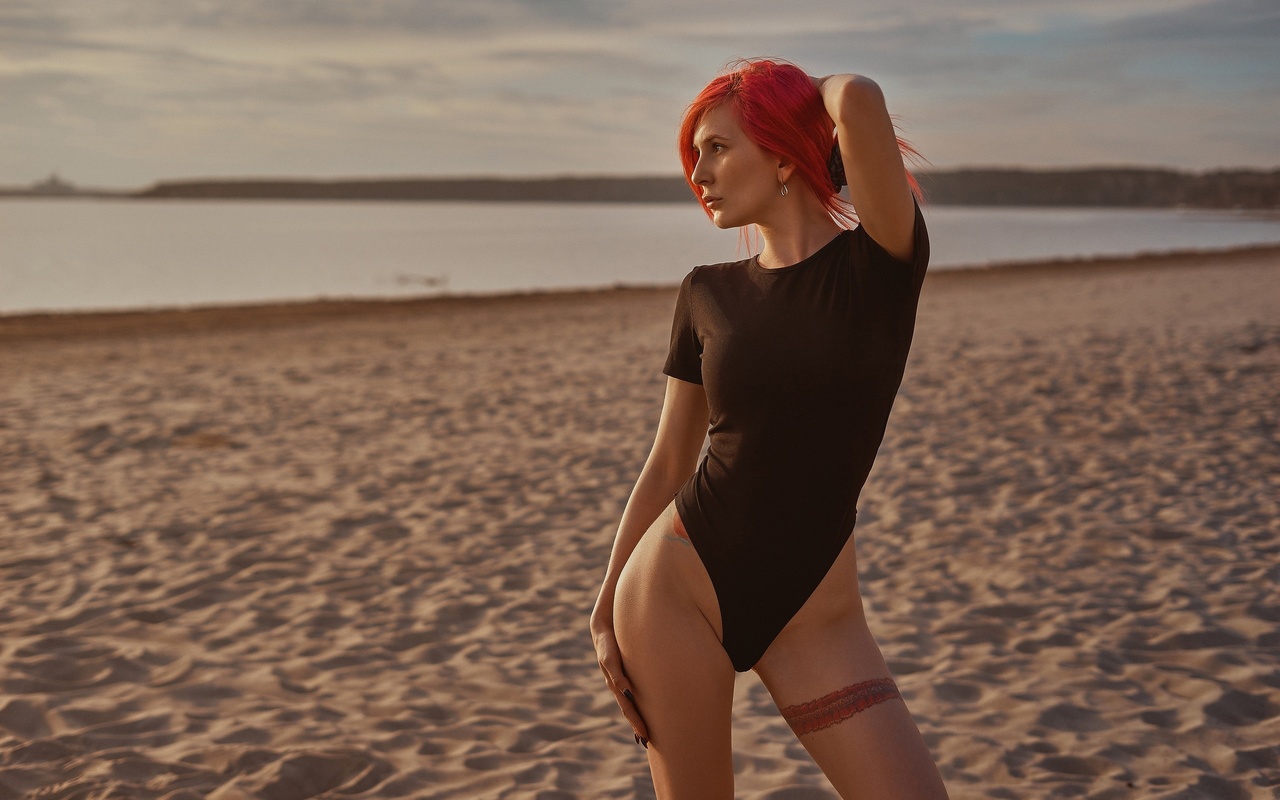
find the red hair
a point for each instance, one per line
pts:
(782, 112)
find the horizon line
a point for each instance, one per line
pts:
(55, 178)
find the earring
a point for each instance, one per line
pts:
(784, 190)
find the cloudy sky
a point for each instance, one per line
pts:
(125, 92)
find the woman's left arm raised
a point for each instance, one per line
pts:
(878, 185)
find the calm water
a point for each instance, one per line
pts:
(111, 254)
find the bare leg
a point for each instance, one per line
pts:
(667, 623)
(826, 673)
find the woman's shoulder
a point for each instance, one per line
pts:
(718, 272)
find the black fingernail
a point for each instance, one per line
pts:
(644, 742)
(638, 738)
(627, 694)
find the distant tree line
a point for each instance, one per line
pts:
(1153, 188)
(1118, 186)
(662, 189)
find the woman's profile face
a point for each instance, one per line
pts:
(738, 181)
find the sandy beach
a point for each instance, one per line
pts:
(349, 549)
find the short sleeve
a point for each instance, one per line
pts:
(919, 263)
(684, 358)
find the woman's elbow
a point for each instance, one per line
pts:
(667, 470)
(859, 97)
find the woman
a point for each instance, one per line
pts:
(789, 361)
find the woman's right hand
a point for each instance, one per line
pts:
(610, 657)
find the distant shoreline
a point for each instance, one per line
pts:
(24, 325)
(1095, 187)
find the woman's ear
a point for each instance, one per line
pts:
(785, 170)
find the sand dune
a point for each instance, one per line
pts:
(352, 554)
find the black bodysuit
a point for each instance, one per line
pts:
(800, 365)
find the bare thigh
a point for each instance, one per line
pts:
(668, 626)
(877, 752)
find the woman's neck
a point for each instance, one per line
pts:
(795, 232)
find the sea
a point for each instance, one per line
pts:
(113, 254)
